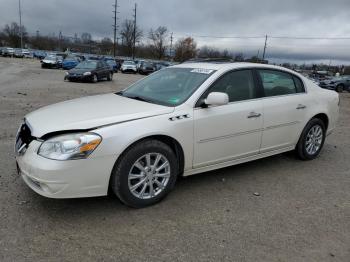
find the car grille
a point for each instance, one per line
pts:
(23, 139)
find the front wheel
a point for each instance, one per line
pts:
(311, 140)
(145, 174)
(110, 76)
(94, 78)
(339, 88)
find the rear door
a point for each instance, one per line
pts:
(285, 106)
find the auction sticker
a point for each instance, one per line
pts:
(202, 71)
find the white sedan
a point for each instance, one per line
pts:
(179, 121)
(128, 66)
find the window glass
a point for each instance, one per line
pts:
(170, 86)
(277, 83)
(299, 85)
(238, 85)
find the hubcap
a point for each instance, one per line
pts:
(314, 140)
(149, 176)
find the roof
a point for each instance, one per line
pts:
(227, 66)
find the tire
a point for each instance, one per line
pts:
(339, 88)
(125, 186)
(310, 143)
(110, 76)
(94, 78)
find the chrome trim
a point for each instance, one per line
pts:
(246, 132)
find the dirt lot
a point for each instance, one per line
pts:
(302, 213)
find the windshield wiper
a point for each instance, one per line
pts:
(139, 98)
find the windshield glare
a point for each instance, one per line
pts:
(170, 87)
(129, 63)
(87, 65)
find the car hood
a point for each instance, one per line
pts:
(49, 61)
(90, 112)
(79, 71)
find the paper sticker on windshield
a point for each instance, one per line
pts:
(202, 71)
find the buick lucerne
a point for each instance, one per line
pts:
(182, 120)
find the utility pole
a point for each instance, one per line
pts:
(134, 43)
(115, 12)
(171, 46)
(263, 58)
(20, 22)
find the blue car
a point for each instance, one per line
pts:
(113, 64)
(70, 62)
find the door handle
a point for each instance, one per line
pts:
(300, 106)
(253, 115)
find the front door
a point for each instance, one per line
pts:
(232, 131)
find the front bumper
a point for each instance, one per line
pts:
(65, 179)
(78, 78)
(133, 70)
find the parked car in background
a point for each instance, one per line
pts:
(27, 54)
(338, 84)
(60, 59)
(179, 121)
(90, 70)
(161, 65)
(18, 53)
(70, 62)
(146, 68)
(8, 52)
(112, 63)
(128, 67)
(39, 54)
(50, 61)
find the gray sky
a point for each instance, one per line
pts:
(307, 18)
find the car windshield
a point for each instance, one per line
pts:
(129, 63)
(169, 87)
(87, 65)
(51, 57)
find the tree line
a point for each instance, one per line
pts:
(154, 44)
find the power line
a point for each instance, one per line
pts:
(275, 37)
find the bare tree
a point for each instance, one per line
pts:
(158, 39)
(106, 45)
(127, 33)
(86, 38)
(12, 34)
(185, 49)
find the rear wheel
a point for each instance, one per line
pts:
(311, 140)
(145, 174)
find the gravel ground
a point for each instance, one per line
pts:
(301, 211)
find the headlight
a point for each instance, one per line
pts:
(67, 73)
(70, 147)
(87, 73)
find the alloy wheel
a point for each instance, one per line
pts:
(314, 140)
(149, 176)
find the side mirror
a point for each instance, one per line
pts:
(216, 99)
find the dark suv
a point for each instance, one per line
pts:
(90, 70)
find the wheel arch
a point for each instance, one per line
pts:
(323, 117)
(168, 140)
